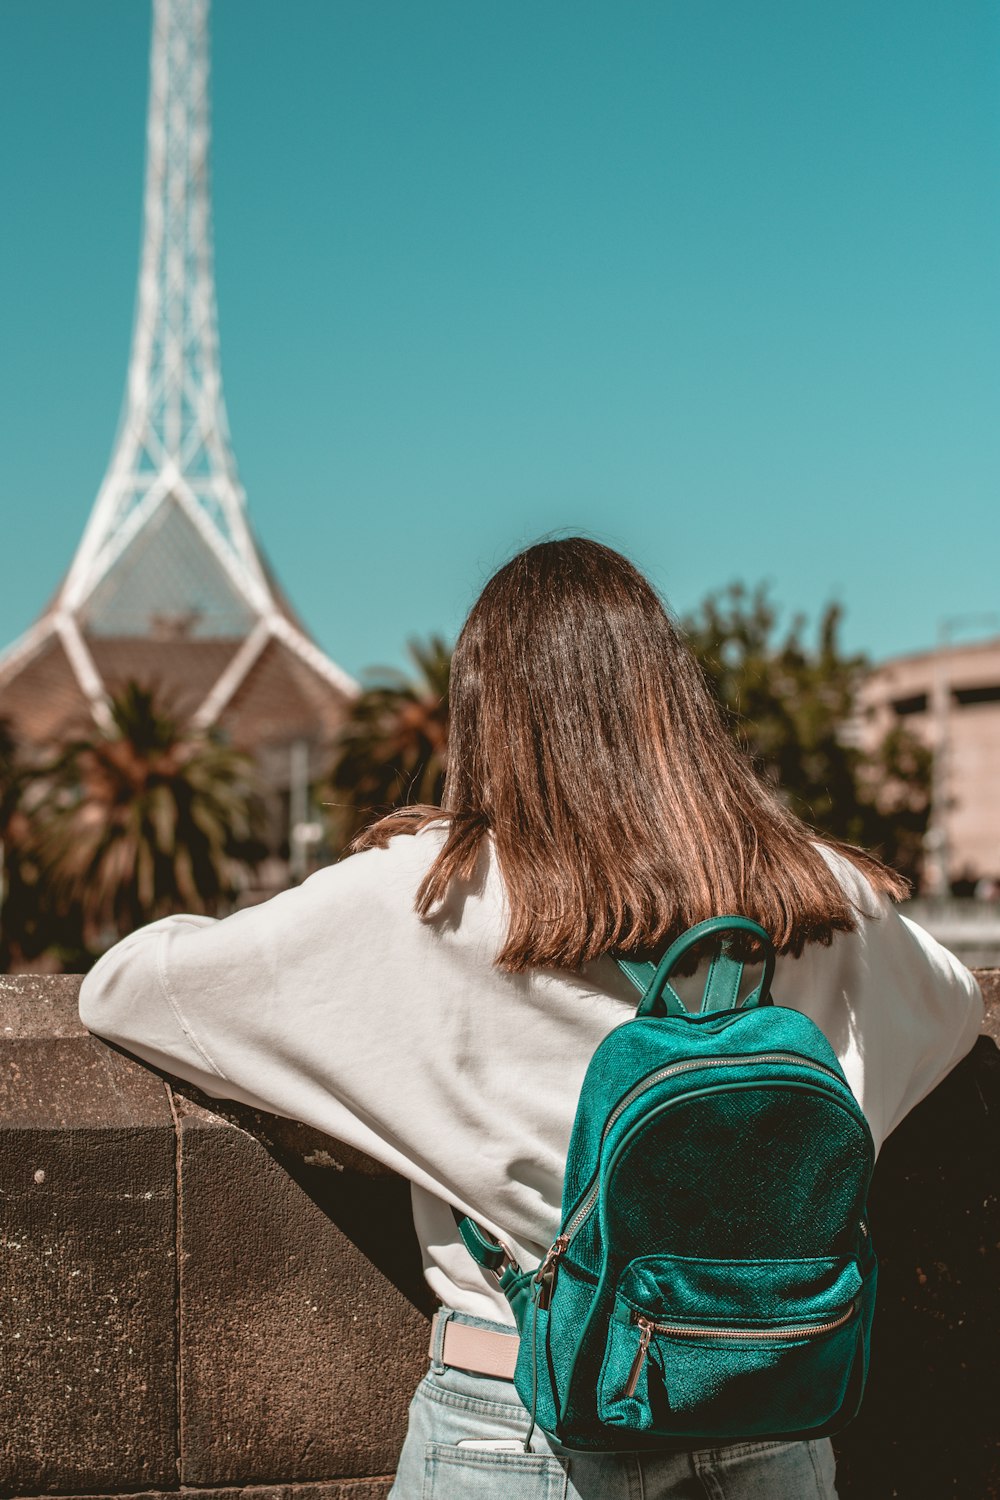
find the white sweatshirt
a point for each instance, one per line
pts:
(335, 1004)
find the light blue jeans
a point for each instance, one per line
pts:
(452, 1409)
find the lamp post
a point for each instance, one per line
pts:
(936, 840)
(304, 833)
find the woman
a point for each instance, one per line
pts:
(435, 999)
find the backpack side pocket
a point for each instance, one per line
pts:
(709, 1349)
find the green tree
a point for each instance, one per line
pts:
(791, 704)
(17, 905)
(393, 748)
(148, 818)
(33, 926)
(10, 796)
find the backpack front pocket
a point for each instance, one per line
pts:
(710, 1348)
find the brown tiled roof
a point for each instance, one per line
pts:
(180, 672)
(282, 699)
(42, 702)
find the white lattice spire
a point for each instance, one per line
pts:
(168, 552)
(173, 445)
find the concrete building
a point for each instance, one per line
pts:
(949, 699)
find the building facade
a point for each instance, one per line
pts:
(950, 700)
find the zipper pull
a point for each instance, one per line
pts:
(546, 1274)
(640, 1356)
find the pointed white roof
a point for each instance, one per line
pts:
(168, 554)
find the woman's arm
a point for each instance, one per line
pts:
(293, 1006)
(898, 1008)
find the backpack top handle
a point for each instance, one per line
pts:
(725, 974)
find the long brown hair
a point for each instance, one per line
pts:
(584, 740)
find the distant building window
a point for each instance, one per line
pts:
(915, 705)
(971, 695)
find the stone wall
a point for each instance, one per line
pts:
(203, 1298)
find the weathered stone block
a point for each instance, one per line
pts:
(298, 1358)
(87, 1270)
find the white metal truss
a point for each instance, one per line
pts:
(168, 549)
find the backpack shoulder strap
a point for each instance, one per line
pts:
(481, 1245)
(487, 1251)
(725, 974)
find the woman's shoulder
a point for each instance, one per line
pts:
(854, 883)
(400, 863)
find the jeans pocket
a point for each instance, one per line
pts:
(453, 1473)
(769, 1471)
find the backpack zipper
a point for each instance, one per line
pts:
(545, 1276)
(754, 1335)
(691, 1064)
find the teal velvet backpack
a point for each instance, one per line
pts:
(713, 1278)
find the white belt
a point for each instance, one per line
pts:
(481, 1351)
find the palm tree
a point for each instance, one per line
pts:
(12, 905)
(33, 927)
(393, 748)
(10, 790)
(148, 818)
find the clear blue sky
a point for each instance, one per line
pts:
(718, 284)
